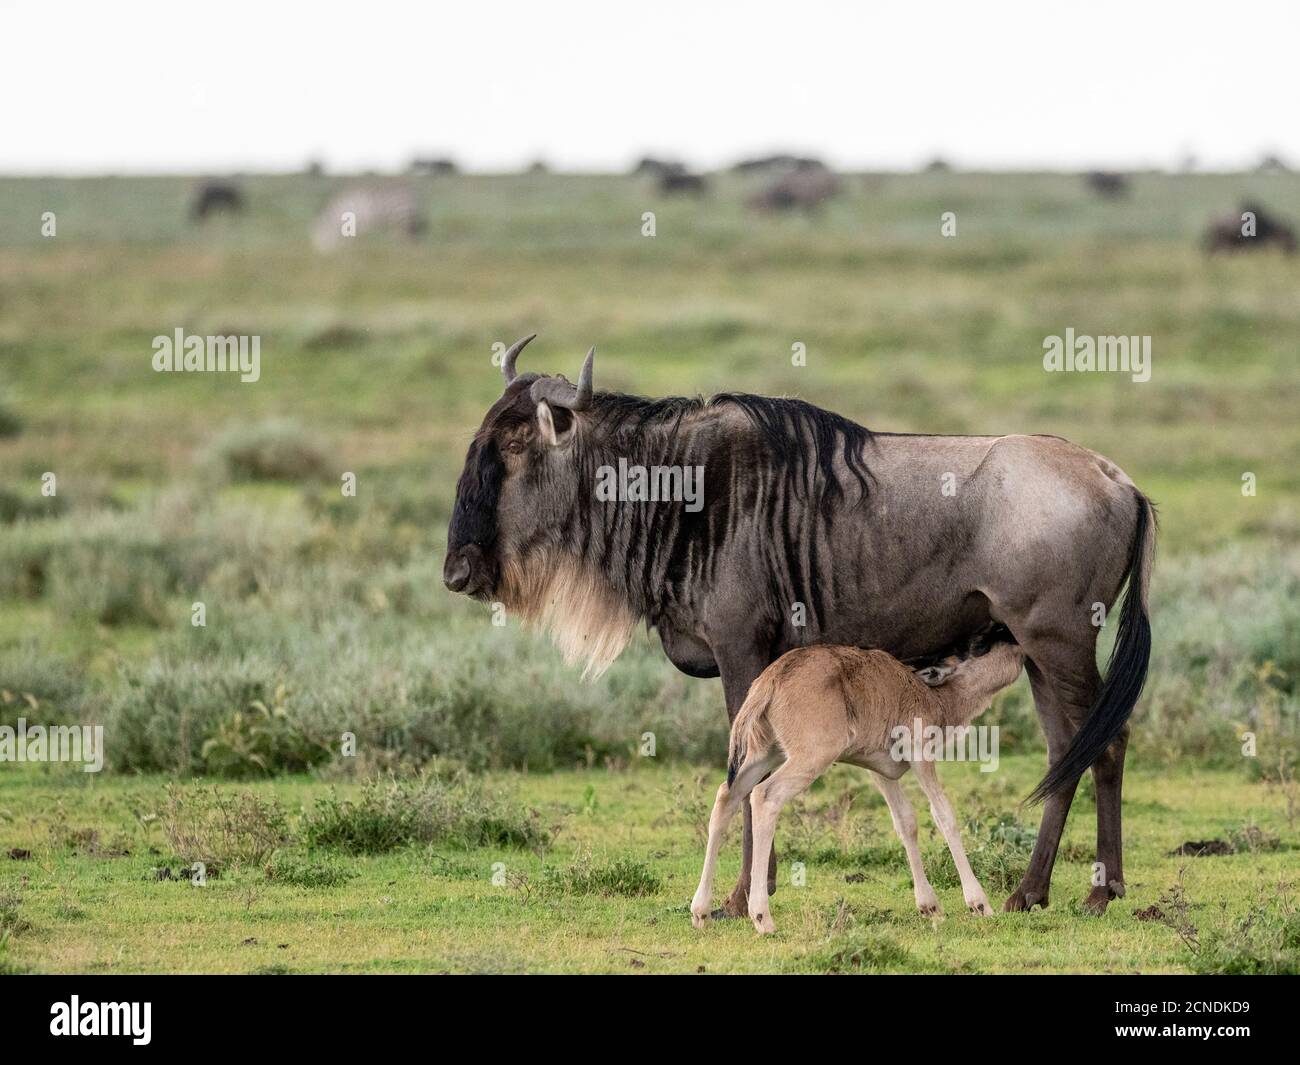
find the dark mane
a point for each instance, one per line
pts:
(804, 438)
(790, 425)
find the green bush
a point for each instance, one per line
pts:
(300, 871)
(625, 878)
(391, 813)
(219, 828)
(274, 450)
(10, 424)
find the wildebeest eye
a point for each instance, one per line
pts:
(516, 447)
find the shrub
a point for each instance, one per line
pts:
(273, 450)
(625, 878)
(1265, 942)
(261, 740)
(10, 423)
(392, 813)
(206, 824)
(12, 922)
(861, 952)
(299, 871)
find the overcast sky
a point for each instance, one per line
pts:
(177, 85)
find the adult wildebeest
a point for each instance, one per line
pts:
(213, 196)
(814, 529)
(681, 180)
(1106, 184)
(1250, 229)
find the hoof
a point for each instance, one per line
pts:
(1097, 901)
(699, 920)
(763, 924)
(928, 905)
(1022, 900)
(980, 907)
(737, 905)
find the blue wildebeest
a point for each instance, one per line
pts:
(816, 530)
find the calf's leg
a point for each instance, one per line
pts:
(946, 818)
(730, 798)
(766, 801)
(904, 818)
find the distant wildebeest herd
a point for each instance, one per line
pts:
(777, 183)
(818, 532)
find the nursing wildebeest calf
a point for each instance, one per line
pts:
(814, 529)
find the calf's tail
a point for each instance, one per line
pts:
(751, 729)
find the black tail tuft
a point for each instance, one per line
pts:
(1126, 673)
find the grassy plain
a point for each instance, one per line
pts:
(326, 614)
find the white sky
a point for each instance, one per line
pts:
(187, 86)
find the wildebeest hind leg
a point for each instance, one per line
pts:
(1064, 680)
(1108, 779)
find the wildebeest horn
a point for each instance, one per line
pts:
(508, 359)
(559, 393)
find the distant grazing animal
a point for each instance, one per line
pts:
(658, 167)
(816, 706)
(1106, 184)
(777, 163)
(213, 197)
(1230, 233)
(815, 530)
(425, 165)
(672, 181)
(806, 189)
(366, 210)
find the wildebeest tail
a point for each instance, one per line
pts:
(1126, 672)
(750, 729)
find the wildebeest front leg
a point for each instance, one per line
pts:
(737, 676)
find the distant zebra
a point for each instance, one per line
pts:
(365, 210)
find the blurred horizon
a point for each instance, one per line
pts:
(589, 88)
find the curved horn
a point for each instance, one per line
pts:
(559, 393)
(508, 359)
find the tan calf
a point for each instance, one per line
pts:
(819, 705)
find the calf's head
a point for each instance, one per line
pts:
(520, 480)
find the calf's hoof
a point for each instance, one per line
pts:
(763, 923)
(928, 905)
(699, 918)
(980, 906)
(1024, 900)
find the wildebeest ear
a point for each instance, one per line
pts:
(550, 433)
(935, 675)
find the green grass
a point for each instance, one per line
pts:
(326, 618)
(612, 885)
